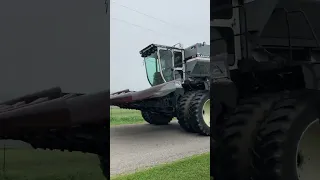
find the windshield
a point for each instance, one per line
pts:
(153, 69)
(166, 64)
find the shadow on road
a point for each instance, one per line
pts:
(150, 130)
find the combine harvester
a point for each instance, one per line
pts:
(62, 44)
(265, 82)
(180, 87)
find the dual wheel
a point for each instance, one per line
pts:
(270, 137)
(193, 113)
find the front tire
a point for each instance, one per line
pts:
(183, 114)
(284, 144)
(200, 113)
(155, 118)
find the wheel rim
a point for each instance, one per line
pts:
(307, 155)
(206, 112)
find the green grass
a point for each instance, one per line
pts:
(125, 116)
(28, 164)
(191, 168)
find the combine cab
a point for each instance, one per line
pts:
(179, 80)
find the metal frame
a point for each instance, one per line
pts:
(183, 64)
(158, 61)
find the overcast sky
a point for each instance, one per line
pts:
(132, 29)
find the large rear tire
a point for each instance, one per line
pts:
(183, 114)
(200, 113)
(287, 145)
(231, 154)
(155, 118)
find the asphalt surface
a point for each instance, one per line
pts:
(133, 147)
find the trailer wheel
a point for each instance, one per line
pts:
(183, 111)
(200, 113)
(231, 156)
(288, 146)
(155, 118)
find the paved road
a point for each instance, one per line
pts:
(140, 146)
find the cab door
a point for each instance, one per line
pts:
(166, 64)
(178, 64)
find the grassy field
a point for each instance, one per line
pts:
(124, 116)
(195, 167)
(28, 164)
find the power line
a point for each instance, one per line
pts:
(152, 17)
(158, 19)
(151, 30)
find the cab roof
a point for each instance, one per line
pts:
(153, 47)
